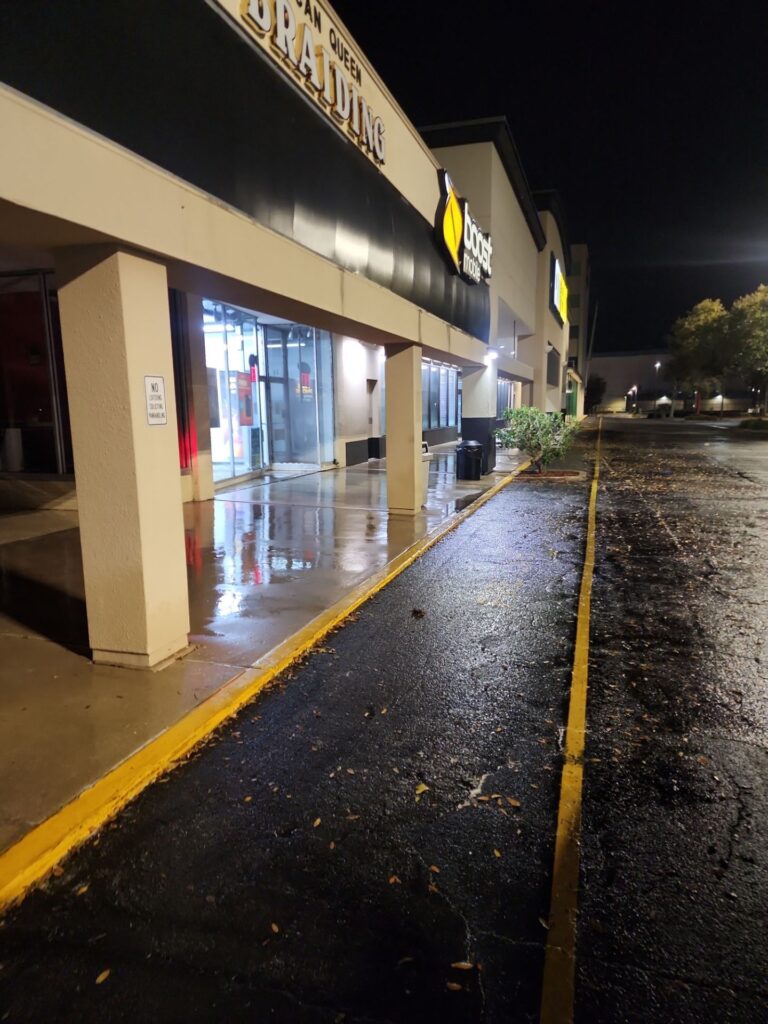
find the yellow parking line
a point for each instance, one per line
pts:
(32, 857)
(558, 988)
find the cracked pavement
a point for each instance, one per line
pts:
(371, 840)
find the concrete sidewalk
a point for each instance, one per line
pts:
(264, 560)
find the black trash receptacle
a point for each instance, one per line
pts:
(469, 460)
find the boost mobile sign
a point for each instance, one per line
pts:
(303, 40)
(459, 235)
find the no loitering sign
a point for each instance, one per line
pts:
(157, 413)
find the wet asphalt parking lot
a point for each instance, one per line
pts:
(372, 839)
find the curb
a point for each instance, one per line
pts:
(34, 856)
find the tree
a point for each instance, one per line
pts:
(593, 395)
(749, 337)
(699, 348)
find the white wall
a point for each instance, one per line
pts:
(354, 364)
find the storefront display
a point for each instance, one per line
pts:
(271, 391)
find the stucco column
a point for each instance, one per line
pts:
(199, 412)
(478, 409)
(117, 350)
(403, 405)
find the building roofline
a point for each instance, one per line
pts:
(549, 199)
(497, 131)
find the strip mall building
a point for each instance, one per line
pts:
(224, 248)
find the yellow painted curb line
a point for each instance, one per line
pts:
(32, 857)
(558, 989)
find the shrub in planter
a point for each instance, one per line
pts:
(542, 436)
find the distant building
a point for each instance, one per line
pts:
(638, 382)
(634, 380)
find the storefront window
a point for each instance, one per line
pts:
(443, 396)
(505, 397)
(440, 403)
(434, 396)
(271, 391)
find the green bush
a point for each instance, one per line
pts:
(542, 436)
(761, 425)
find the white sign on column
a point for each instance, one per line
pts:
(157, 414)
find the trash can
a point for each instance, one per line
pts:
(426, 459)
(469, 460)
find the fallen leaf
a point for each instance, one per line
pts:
(434, 869)
(82, 890)
(421, 788)
(453, 987)
(275, 928)
(394, 880)
(332, 846)
(247, 799)
(463, 965)
(512, 802)
(57, 871)
(418, 613)
(316, 823)
(432, 888)
(497, 853)
(544, 923)
(103, 976)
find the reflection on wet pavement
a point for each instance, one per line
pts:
(268, 556)
(264, 558)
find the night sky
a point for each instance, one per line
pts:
(650, 119)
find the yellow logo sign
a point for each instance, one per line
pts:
(453, 223)
(458, 233)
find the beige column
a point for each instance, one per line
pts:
(199, 412)
(403, 404)
(478, 392)
(117, 356)
(478, 410)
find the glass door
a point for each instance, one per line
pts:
(232, 361)
(292, 369)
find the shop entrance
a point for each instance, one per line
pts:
(234, 400)
(299, 390)
(270, 387)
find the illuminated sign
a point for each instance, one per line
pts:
(304, 41)
(460, 236)
(558, 291)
